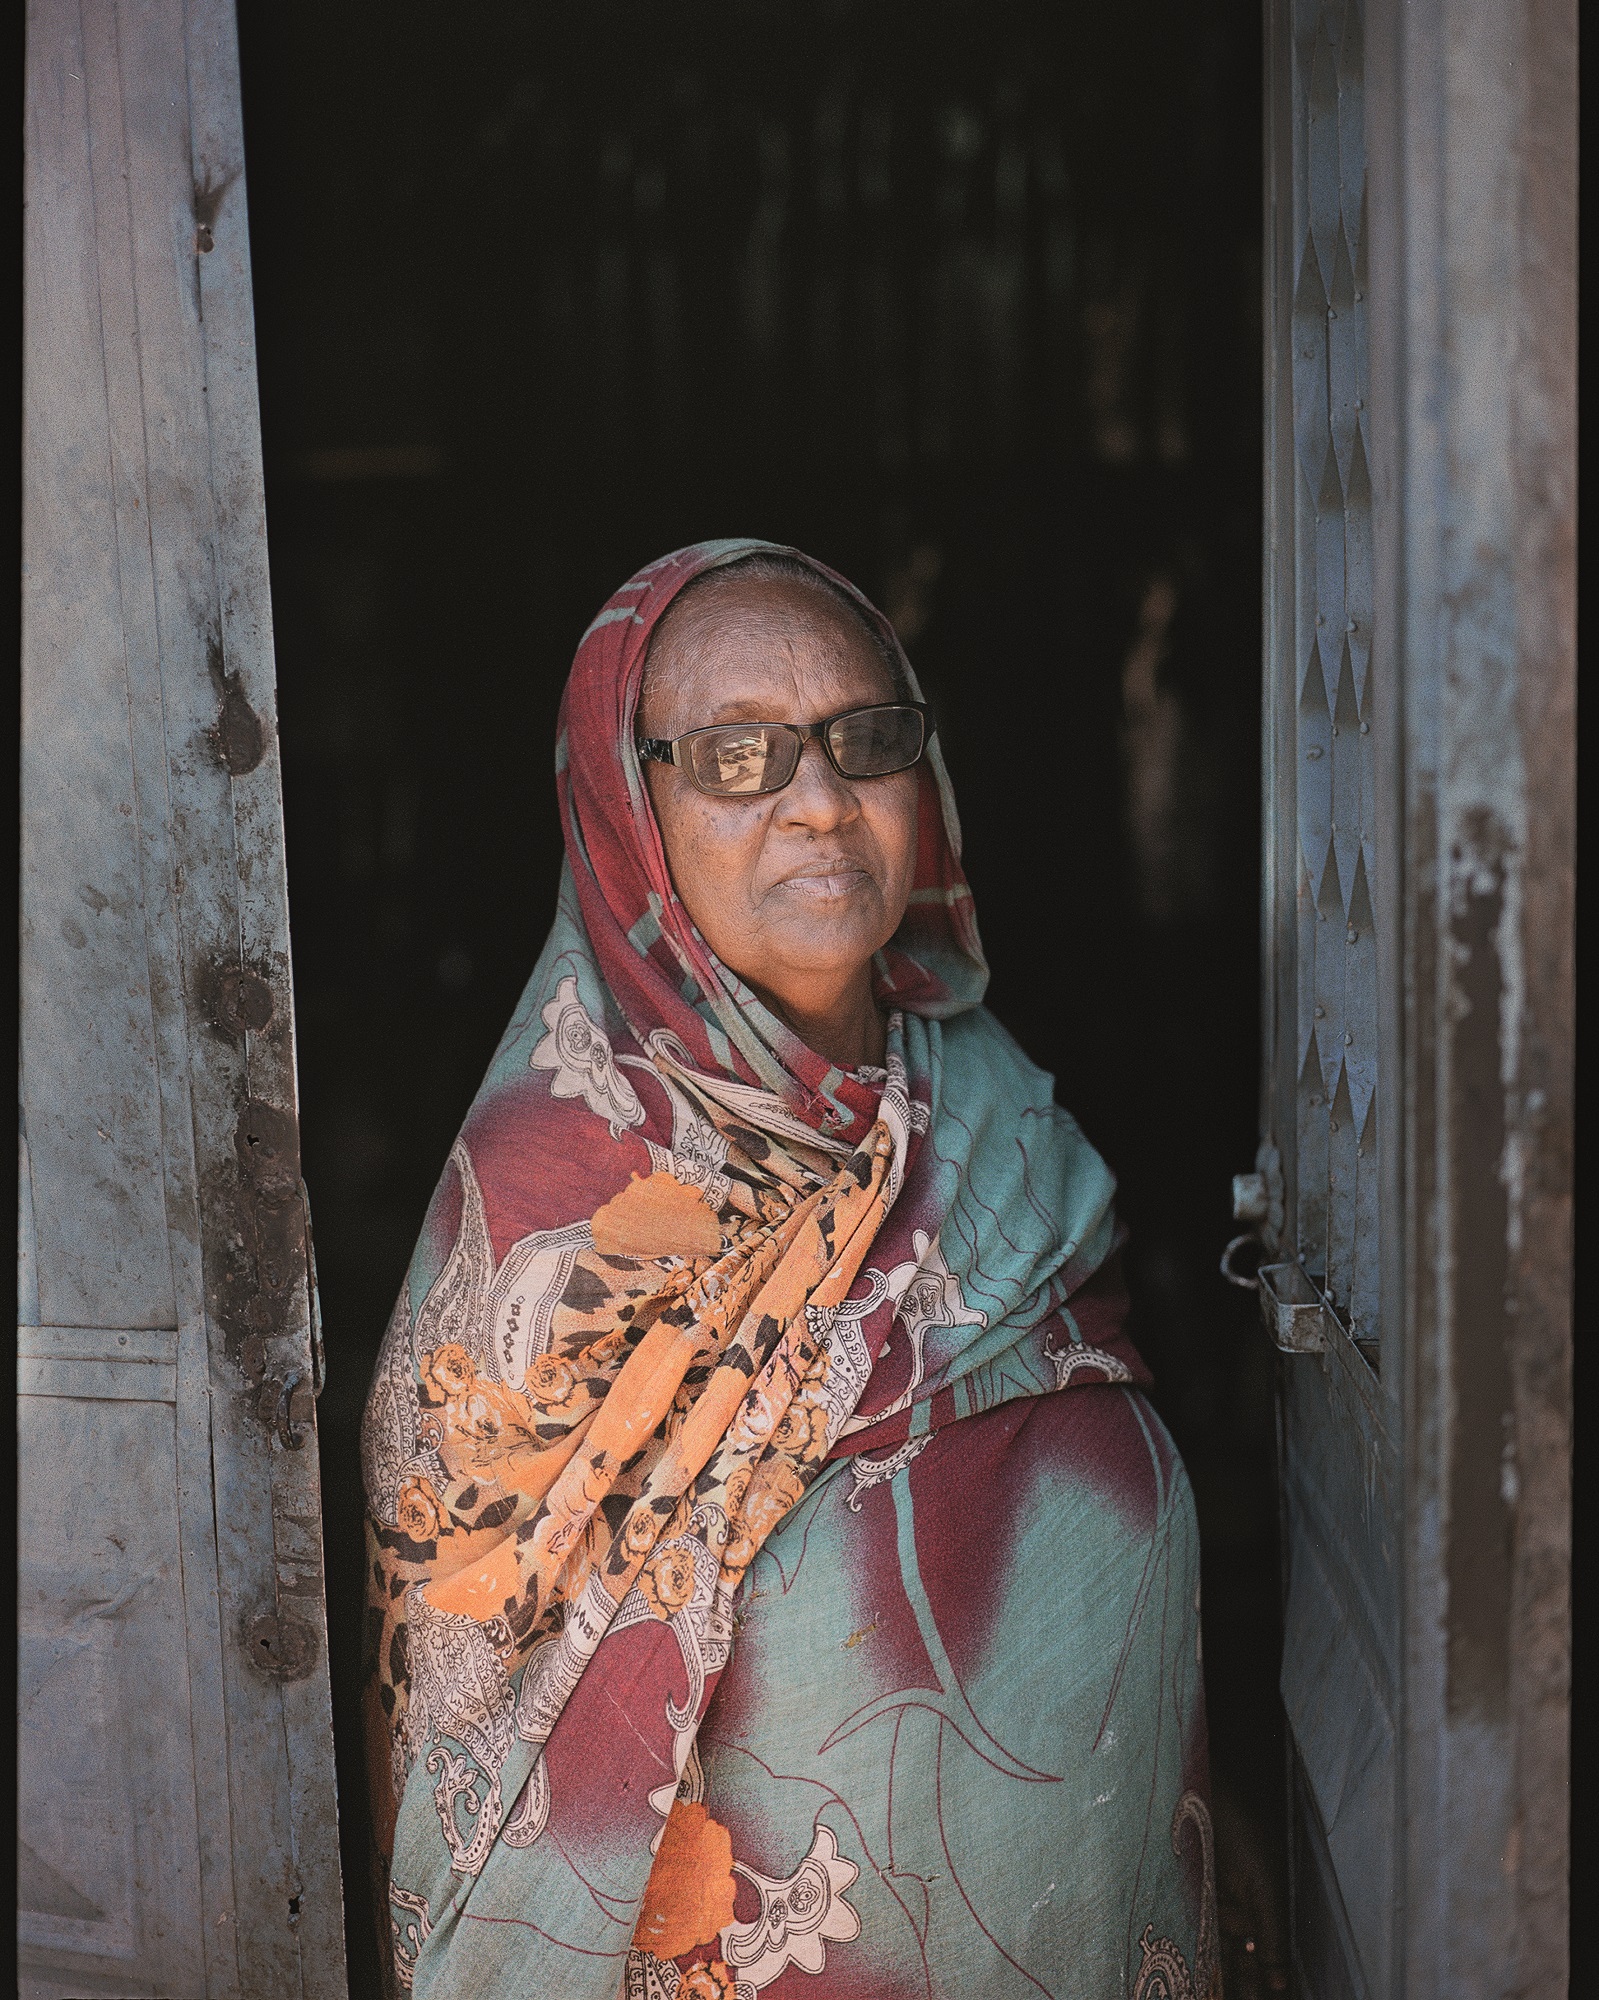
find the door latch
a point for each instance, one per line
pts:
(1258, 1204)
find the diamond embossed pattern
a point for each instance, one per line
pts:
(1336, 1121)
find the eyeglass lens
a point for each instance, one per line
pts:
(753, 757)
(874, 741)
(762, 756)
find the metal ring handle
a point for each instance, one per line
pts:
(1233, 1277)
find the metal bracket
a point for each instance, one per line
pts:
(1295, 1315)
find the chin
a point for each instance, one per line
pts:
(824, 957)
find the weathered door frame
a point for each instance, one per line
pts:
(157, 1000)
(1453, 1418)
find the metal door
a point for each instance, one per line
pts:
(1413, 1182)
(177, 1818)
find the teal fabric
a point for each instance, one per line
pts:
(1005, 1776)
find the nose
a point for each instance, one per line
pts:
(816, 797)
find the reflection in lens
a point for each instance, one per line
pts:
(738, 760)
(875, 741)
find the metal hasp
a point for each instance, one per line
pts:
(177, 1814)
(1413, 1190)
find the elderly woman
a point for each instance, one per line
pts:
(779, 1582)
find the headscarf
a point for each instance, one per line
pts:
(655, 1292)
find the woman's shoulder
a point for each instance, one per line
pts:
(1005, 1103)
(982, 1056)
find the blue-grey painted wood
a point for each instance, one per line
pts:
(1426, 1512)
(1324, 686)
(173, 1631)
(1321, 1099)
(1341, 1680)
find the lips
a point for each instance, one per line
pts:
(826, 879)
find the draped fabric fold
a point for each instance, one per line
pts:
(676, 1264)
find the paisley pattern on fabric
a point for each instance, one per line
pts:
(681, 1274)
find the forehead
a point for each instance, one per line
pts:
(733, 647)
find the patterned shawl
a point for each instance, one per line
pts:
(653, 1294)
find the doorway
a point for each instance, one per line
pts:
(963, 300)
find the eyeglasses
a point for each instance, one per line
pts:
(745, 759)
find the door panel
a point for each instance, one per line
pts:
(173, 1626)
(1320, 612)
(1341, 1674)
(1413, 1181)
(99, 1215)
(1320, 1152)
(110, 1870)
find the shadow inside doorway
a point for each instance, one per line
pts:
(963, 300)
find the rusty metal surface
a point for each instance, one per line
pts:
(1426, 1515)
(168, 1349)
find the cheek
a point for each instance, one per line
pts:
(894, 819)
(712, 857)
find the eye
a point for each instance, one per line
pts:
(865, 736)
(877, 740)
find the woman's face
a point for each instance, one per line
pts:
(793, 890)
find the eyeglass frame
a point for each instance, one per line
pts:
(667, 749)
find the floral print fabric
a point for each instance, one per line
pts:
(958, 1750)
(680, 1273)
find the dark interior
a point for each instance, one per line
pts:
(963, 299)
